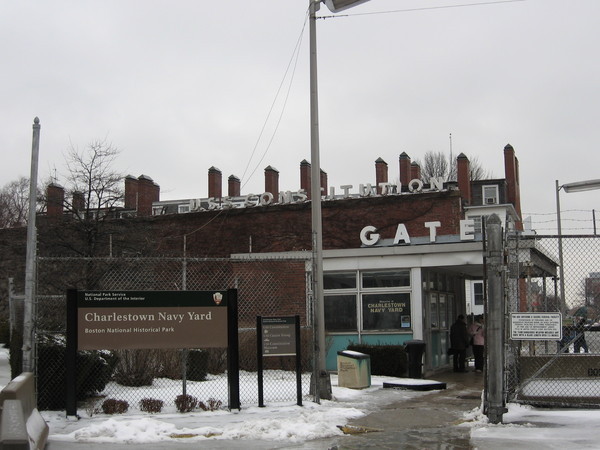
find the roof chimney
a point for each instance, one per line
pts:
(305, 177)
(404, 170)
(148, 192)
(511, 174)
(415, 171)
(233, 186)
(381, 173)
(78, 201)
(131, 192)
(463, 169)
(272, 180)
(55, 197)
(214, 183)
(323, 182)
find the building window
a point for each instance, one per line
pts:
(181, 209)
(385, 311)
(490, 195)
(478, 293)
(381, 301)
(340, 313)
(342, 280)
(400, 278)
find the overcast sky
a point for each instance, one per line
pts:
(180, 86)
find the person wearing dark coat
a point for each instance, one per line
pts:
(459, 342)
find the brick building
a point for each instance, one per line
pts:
(399, 261)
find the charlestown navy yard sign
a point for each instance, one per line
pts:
(151, 319)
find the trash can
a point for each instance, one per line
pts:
(415, 350)
(354, 369)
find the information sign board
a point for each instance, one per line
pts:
(546, 326)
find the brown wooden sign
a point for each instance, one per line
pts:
(151, 319)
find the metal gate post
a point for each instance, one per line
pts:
(496, 405)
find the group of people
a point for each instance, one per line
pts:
(463, 336)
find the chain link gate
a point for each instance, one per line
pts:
(266, 287)
(554, 372)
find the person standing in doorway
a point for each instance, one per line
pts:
(459, 341)
(478, 338)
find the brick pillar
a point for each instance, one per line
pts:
(148, 192)
(511, 174)
(305, 177)
(233, 186)
(381, 173)
(404, 170)
(323, 182)
(463, 175)
(415, 171)
(272, 180)
(131, 192)
(215, 183)
(55, 199)
(78, 201)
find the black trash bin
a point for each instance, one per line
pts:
(415, 350)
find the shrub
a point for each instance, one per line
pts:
(94, 371)
(137, 367)
(151, 405)
(186, 403)
(212, 404)
(113, 406)
(388, 360)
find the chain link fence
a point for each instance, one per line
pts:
(147, 378)
(563, 372)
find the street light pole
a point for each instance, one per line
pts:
(322, 382)
(322, 387)
(561, 273)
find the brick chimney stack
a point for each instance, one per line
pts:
(463, 175)
(415, 171)
(215, 183)
(234, 186)
(55, 199)
(131, 192)
(323, 182)
(148, 192)
(78, 201)
(404, 170)
(511, 174)
(305, 176)
(272, 180)
(381, 173)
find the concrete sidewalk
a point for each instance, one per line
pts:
(424, 422)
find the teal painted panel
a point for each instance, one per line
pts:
(336, 343)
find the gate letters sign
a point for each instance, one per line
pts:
(151, 319)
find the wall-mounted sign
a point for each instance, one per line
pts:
(151, 319)
(536, 326)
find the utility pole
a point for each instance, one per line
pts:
(30, 260)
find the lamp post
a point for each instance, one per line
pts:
(578, 186)
(321, 377)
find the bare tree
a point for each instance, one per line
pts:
(14, 203)
(438, 165)
(93, 190)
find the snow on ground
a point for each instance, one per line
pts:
(277, 421)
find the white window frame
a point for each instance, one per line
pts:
(490, 199)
